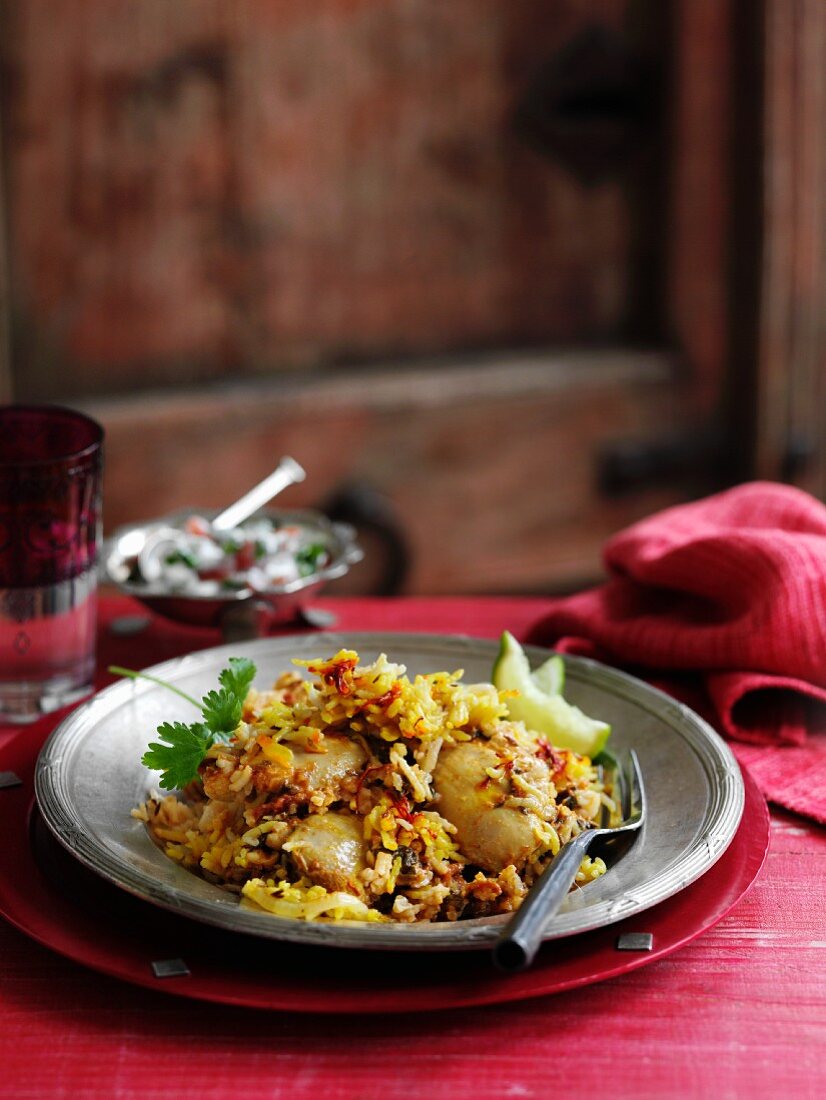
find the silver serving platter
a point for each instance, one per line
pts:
(89, 777)
(240, 612)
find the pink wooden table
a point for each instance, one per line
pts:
(740, 1011)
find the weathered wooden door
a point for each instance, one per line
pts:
(525, 271)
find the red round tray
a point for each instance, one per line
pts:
(52, 898)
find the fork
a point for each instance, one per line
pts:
(517, 946)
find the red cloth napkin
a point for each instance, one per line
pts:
(722, 602)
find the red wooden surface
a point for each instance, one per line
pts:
(740, 1011)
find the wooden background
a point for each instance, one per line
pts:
(237, 230)
(206, 189)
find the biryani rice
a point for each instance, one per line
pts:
(363, 794)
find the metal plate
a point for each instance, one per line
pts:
(89, 777)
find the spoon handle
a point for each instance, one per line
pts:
(287, 472)
(516, 947)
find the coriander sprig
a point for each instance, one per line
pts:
(181, 748)
(177, 760)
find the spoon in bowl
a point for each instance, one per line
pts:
(286, 473)
(159, 543)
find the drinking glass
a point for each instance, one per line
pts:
(50, 488)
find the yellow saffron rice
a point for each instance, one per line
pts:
(357, 793)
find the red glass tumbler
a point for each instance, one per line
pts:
(50, 492)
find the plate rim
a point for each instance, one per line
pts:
(725, 788)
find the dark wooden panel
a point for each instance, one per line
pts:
(491, 466)
(201, 188)
(790, 392)
(701, 194)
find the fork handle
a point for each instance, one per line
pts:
(516, 947)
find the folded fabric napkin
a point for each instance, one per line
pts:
(722, 602)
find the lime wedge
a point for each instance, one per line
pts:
(550, 676)
(561, 722)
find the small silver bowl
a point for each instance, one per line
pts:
(239, 613)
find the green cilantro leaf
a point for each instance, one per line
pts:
(182, 557)
(308, 557)
(238, 677)
(222, 712)
(182, 747)
(179, 757)
(222, 709)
